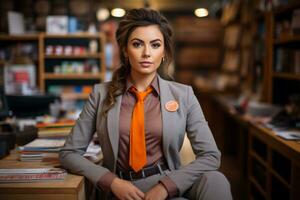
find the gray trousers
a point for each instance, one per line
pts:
(211, 185)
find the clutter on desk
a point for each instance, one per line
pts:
(12, 134)
(93, 152)
(289, 134)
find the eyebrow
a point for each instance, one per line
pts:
(156, 40)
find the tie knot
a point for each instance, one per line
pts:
(141, 95)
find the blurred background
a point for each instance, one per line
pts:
(242, 58)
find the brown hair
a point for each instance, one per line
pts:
(133, 19)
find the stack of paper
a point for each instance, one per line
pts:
(31, 175)
(41, 148)
(93, 152)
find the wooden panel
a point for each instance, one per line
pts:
(185, 76)
(191, 29)
(192, 57)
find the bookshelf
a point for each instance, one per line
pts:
(27, 37)
(283, 54)
(15, 48)
(196, 40)
(71, 60)
(84, 62)
(238, 47)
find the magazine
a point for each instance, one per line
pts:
(31, 175)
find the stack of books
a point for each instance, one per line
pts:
(54, 130)
(51, 138)
(32, 175)
(41, 148)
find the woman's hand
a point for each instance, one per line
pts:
(158, 192)
(125, 190)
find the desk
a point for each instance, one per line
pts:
(69, 189)
(268, 165)
(272, 163)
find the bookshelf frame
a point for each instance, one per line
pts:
(291, 42)
(99, 56)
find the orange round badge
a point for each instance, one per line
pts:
(172, 106)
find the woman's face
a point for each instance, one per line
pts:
(145, 50)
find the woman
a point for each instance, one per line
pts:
(141, 120)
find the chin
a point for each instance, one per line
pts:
(148, 72)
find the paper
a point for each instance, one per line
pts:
(289, 135)
(31, 175)
(31, 171)
(46, 143)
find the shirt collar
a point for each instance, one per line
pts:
(154, 84)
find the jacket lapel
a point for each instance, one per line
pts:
(165, 96)
(113, 126)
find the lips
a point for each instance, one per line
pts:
(146, 63)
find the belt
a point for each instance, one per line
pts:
(143, 173)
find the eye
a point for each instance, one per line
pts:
(155, 45)
(136, 44)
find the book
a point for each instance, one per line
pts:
(296, 22)
(55, 129)
(43, 144)
(53, 132)
(66, 123)
(38, 156)
(31, 175)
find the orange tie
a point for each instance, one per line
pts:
(138, 154)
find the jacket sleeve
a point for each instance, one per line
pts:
(203, 145)
(71, 155)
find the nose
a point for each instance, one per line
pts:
(146, 52)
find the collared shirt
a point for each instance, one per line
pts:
(153, 126)
(153, 135)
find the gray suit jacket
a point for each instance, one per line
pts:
(188, 119)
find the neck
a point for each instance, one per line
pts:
(141, 82)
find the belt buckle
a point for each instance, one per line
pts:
(143, 173)
(120, 174)
(130, 176)
(160, 169)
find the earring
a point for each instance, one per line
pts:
(163, 59)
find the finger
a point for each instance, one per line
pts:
(135, 196)
(140, 193)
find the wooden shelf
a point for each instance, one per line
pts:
(258, 187)
(280, 178)
(258, 158)
(83, 56)
(24, 37)
(284, 40)
(288, 76)
(86, 76)
(74, 96)
(72, 36)
(71, 39)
